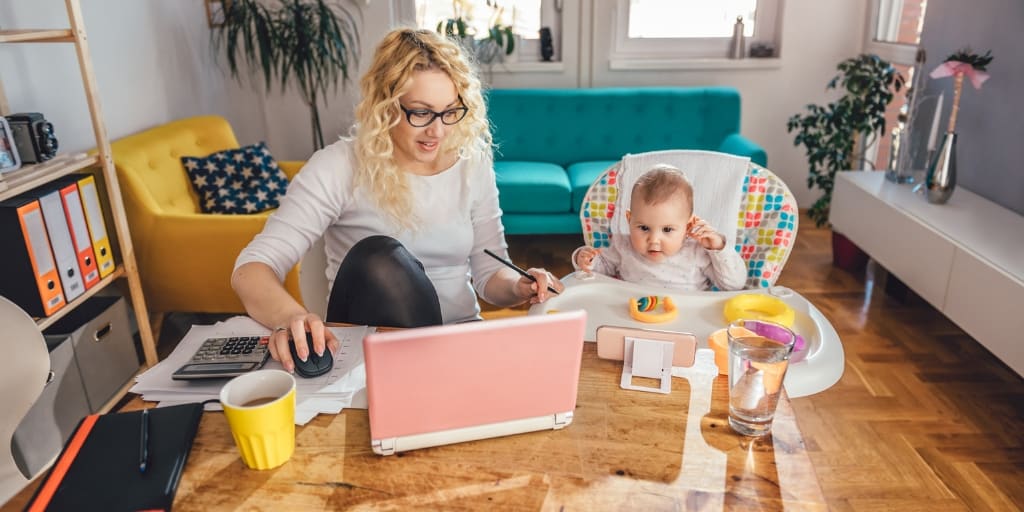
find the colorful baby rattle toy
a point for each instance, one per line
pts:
(640, 308)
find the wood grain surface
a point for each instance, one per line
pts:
(924, 418)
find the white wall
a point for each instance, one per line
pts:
(154, 64)
(816, 35)
(989, 124)
(147, 59)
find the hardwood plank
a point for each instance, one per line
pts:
(924, 417)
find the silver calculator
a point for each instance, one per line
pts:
(218, 358)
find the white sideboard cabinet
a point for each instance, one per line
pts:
(965, 257)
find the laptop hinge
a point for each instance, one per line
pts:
(562, 419)
(384, 446)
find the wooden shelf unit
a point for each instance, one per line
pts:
(29, 177)
(37, 36)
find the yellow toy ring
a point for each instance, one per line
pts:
(640, 308)
(754, 306)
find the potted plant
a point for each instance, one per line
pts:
(835, 135)
(499, 41)
(310, 43)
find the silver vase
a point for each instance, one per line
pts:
(941, 178)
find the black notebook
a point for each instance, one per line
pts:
(98, 469)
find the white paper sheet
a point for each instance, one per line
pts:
(344, 386)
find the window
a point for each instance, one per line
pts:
(526, 17)
(689, 29)
(894, 33)
(894, 29)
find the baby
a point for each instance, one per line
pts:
(668, 246)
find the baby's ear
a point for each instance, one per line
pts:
(627, 215)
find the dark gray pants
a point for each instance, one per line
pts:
(380, 283)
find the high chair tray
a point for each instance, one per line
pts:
(606, 301)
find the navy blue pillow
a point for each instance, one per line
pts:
(243, 180)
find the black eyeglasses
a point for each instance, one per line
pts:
(420, 117)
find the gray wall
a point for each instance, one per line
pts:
(991, 120)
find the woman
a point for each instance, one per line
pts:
(406, 208)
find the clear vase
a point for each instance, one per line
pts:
(941, 178)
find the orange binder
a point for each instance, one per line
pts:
(60, 241)
(97, 227)
(30, 274)
(79, 232)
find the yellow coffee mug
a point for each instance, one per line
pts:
(260, 407)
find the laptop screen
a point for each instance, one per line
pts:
(433, 379)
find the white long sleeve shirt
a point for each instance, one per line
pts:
(459, 207)
(692, 268)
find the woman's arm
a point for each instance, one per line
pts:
(264, 297)
(495, 283)
(507, 288)
(306, 211)
(266, 301)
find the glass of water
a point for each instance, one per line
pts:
(758, 357)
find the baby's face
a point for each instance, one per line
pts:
(658, 231)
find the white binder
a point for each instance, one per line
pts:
(60, 240)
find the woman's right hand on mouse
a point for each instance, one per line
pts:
(295, 328)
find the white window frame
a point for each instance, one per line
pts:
(527, 50)
(550, 11)
(766, 29)
(895, 53)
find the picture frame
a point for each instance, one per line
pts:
(9, 159)
(215, 10)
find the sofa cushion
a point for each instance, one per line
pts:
(532, 187)
(582, 175)
(242, 180)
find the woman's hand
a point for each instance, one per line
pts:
(295, 328)
(585, 258)
(706, 235)
(537, 291)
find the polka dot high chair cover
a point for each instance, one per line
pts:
(765, 226)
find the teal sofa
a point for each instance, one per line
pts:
(553, 143)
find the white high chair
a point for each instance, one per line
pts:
(766, 215)
(24, 373)
(730, 193)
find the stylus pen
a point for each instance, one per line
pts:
(513, 266)
(144, 442)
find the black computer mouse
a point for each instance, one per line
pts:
(314, 365)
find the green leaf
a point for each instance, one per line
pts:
(311, 44)
(827, 132)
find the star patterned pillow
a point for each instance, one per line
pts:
(243, 180)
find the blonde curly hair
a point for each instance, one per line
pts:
(401, 53)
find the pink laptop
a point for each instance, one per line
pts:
(439, 385)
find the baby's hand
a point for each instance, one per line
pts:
(706, 235)
(585, 258)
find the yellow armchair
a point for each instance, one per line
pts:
(185, 257)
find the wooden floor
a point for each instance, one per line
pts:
(924, 418)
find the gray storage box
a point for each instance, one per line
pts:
(57, 411)
(104, 346)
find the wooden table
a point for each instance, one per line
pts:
(624, 451)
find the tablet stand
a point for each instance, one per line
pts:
(647, 358)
